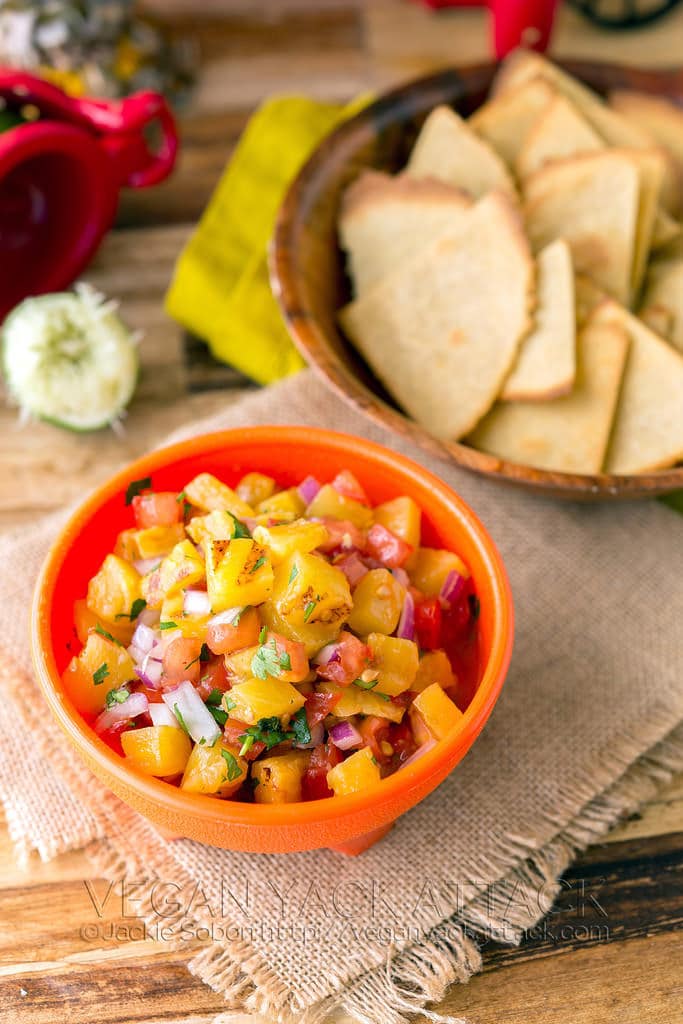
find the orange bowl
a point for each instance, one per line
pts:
(349, 823)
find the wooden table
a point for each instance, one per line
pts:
(613, 952)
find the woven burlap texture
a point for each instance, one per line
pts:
(587, 726)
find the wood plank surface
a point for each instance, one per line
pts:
(621, 960)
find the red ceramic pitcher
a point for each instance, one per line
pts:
(60, 176)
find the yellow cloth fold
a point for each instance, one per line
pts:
(220, 289)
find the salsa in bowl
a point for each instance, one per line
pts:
(274, 638)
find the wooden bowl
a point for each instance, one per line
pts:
(309, 281)
(346, 823)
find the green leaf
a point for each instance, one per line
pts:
(285, 661)
(268, 662)
(119, 696)
(136, 486)
(107, 636)
(239, 530)
(258, 563)
(179, 715)
(168, 625)
(203, 655)
(220, 716)
(309, 609)
(100, 674)
(229, 704)
(302, 733)
(263, 634)
(138, 605)
(234, 770)
(366, 686)
(266, 730)
(294, 573)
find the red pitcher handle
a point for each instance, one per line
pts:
(119, 124)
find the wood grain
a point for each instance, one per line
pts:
(48, 972)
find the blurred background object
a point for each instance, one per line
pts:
(98, 47)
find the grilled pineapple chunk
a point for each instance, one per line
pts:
(283, 541)
(436, 710)
(216, 770)
(429, 568)
(310, 601)
(284, 503)
(157, 749)
(85, 620)
(278, 778)
(191, 626)
(397, 661)
(263, 698)
(356, 773)
(255, 487)
(101, 666)
(207, 493)
(217, 525)
(112, 590)
(180, 569)
(152, 542)
(356, 701)
(238, 572)
(434, 667)
(332, 504)
(401, 516)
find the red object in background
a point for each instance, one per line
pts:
(514, 22)
(60, 177)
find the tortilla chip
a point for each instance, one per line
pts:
(385, 220)
(546, 364)
(587, 295)
(648, 424)
(559, 132)
(667, 234)
(447, 149)
(443, 330)
(592, 202)
(662, 120)
(651, 170)
(504, 121)
(569, 434)
(611, 126)
(663, 294)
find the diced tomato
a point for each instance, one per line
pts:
(342, 534)
(160, 509)
(292, 653)
(226, 637)
(428, 618)
(353, 567)
(319, 706)
(234, 731)
(213, 676)
(374, 729)
(386, 547)
(403, 700)
(458, 617)
(152, 695)
(314, 782)
(402, 740)
(345, 483)
(181, 661)
(353, 656)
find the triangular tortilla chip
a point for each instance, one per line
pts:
(504, 121)
(667, 233)
(447, 149)
(559, 132)
(546, 364)
(648, 424)
(664, 292)
(385, 220)
(592, 202)
(651, 169)
(611, 126)
(588, 295)
(443, 330)
(569, 434)
(662, 120)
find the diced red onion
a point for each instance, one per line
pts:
(317, 737)
(353, 567)
(401, 576)
(146, 565)
(144, 638)
(226, 617)
(406, 624)
(150, 672)
(327, 654)
(193, 712)
(452, 587)
(157, 652)
(308, 489)
(420, 752)
(345, 736)
(136, 654)
(196, 602)
(161, 715)
(149, 616)
(134, 705)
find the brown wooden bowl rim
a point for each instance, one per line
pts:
(309, 337)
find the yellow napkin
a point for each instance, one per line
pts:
(220, 288)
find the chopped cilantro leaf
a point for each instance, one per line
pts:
(285, 662)
(294, 573)
(138, 605)
(100, 674)
(203, 655)
(234, 770)
(119, 696)
(247, 745)
(239, 530)
(266, 730)
(179, 715)
(168, 625)
(263, 634)
(258, 563)
(136, 486)
(229, 704)
(309, 609)
(220, 716)
(302, 733)
(107, 636)
(268, 661)
(365, 685)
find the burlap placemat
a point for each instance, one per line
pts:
(585, 729)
